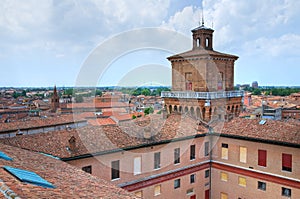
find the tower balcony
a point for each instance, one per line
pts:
(201, 95)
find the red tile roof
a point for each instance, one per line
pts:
(149, 130)
(101, 122)
(69, 181)
(92, 139)
(35, 122)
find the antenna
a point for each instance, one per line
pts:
(202, 17)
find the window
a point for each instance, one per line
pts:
(157, 190)
(224, 151)
(261, 185)
(157, 160)
(5, 157)
(176, 183)
(286, 192)
(262, 158)
(192, 152)
(189, 191)
(206, 148)
(287, 162)
(177, 156)
(28, 177)
(206, 194)
(243, 154)
(192, 178)
(224, 196)
(224, 176)
(242, 181)
(87, 169)
(139, 194)
(137, 165)
(115, 169)
(207, 173)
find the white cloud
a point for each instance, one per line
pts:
(55, 25)
(286, 44)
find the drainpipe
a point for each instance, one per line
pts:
(210, 137)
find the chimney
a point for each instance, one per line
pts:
(72, 143)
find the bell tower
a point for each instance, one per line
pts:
(54, 100)
(203, 37)
(203, 81)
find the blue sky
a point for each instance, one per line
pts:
(47, 42)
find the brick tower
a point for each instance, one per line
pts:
(203, 81)
(54, 100)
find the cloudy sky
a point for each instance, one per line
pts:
(47, 42)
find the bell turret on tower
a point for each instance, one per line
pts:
(203, 37)
(54, 100)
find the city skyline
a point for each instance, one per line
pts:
(46, 44)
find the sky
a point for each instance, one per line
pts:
(52, 42)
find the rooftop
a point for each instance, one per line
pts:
(195, 53)
(152, 130)
(35, 122)
(69, 182)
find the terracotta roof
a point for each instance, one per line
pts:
(101, 122)
(201, 52)
(150, 130)
(93, 139)
(283, 131)
(98, 105)
(37, 122)
(69, 182)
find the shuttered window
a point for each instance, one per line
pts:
(224, 176)
(262, 158)
(157, 190)
(243, 154)
(287, 162)
(242, 181)
(137, 168)
(224, 154)
(224, 196)
(157, 160)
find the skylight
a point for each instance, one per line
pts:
(262, 122)
(29, 177)
(5, 157)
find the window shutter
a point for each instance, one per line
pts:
(243, 154)
(287, 160)
(262, 158)
(225, 153)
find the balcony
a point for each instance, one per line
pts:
(201, 95)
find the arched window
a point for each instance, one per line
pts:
(203, 113)
(198, 112)
(186, 109)
(175, 108)
(170, 108)
(206, 42)
(192, 112)
(198, 42)
(180, 109)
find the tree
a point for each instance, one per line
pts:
(68, 91)
(148, 110)
(78, 98)
(146, 92)
(98, 92)
(256, 92)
